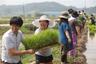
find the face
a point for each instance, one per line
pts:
(44, 24)
(15, 28)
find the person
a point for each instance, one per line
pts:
(11, 41)
(84, 17)
(65, 37)
(44, 55)
(70, 11)
(92, 18)
(72, 22)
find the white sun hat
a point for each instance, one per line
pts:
(43, 17)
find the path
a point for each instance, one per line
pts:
(91, 50)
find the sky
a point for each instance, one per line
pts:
(76, 3)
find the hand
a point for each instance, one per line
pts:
(69, 40)
(30, 51)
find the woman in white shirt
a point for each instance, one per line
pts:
(43, 56)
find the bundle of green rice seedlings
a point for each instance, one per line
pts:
(82, 41)
(80, 58)
(70, 59)
(80, 45)
(85, 33)
(81, 49)
(43, 39)
(84, 36)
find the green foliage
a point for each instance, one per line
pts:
(28, 28)
(92, 28)
(3, 29)
(4, 20)
(42, 39)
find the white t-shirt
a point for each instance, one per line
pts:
(71, 19)
(44, 51)
(10, 40)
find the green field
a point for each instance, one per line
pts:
(28, 29)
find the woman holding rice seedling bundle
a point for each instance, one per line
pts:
(44, 55)
(64, 36)
(11, 41)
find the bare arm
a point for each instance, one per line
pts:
(14, 52)
(67, 34)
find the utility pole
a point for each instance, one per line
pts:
(85, 4)
(24, 11)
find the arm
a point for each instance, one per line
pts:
(67, 35)
(14, 52)
(65, 27)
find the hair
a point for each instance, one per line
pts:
(79, 11)
(75, 14)
(63, 20)
(70, 11)
(16, 20)
(82, 10)
(44, 20)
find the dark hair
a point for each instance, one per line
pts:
(82, 10)
(44, 20)
(63, 20)
(79, 12)
(70, 11)
(75, 14)
(16, 20)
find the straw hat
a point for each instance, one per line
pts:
(43, 17)
(64, 15)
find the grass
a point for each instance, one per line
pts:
(5, 20)
(3, 29)
(92, 29)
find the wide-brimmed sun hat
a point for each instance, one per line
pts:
(64, 14)
(43, 17)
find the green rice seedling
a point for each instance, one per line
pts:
(92, 28)
(43, 39)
